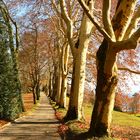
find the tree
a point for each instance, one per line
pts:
(79, 50)
(33, 60)
(65, 56)
(118, 102)
(118, 36)
(136, 103)
(10, 90)
(34, 46)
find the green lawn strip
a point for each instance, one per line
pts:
(120, 119)
(125, 119)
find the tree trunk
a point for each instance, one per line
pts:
(34, 96)
(105, 94)
(65, 56)
(76, 97)
(55, 79)
(62, 102)
(50, 85)
(37, 91)
(107, 72)
(71, 113)
(59, 82)
(79, 63)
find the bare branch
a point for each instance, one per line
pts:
(133, 24)
(55, 7)
(106, 18)
(94, 21)
(130, 43)
(127, 8)
(127, 69)
(68, 22)
(64, 12)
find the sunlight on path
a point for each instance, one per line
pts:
(40, 125)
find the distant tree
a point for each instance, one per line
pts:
(124, 103)
(33, 60)
(135, 105)
(118, 102)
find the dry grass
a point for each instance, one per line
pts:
(28, 101)
(3, 122)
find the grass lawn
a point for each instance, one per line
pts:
(119, 118)
(124, 126)
(126, 119)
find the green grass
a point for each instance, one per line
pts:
(123, 125)
(119, 118)
(87, 109)
(125, 119)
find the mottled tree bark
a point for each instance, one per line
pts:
(64, 68)
(79, 63)
(55, 79)
(105, 94)
(107, 71)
